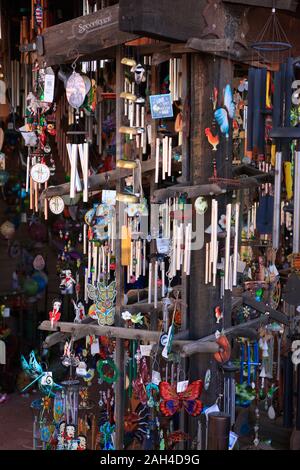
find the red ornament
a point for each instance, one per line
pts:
(172, 402)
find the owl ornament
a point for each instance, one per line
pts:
(103, 309)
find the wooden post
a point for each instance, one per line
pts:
(120, 384)
(205, 73)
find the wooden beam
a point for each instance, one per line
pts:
(289, 5)
(213, 189)
(275, 315)
(173, 20)
(161, 195)
(99, 181)
(77, 330)
(85, 36)
(193, 347)
(210, 45)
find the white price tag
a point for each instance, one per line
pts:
(146, 349)
(6, 312)
(47, 379)
(212, 409)
(182, 386)
(49, 85)
(156, 377)
(95, 349)
(232, 440)
(109, 197)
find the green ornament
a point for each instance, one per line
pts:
(104, 377)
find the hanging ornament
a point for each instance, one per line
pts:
(55, 314)
(201, 205)
(75, 89)
(103, 309)
(172, 402)
(56, 205)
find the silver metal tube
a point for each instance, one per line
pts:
(296, 228)
(277, 200)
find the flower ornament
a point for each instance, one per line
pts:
(138, 318)
(126, 316)
(46, 402)
(134, 318)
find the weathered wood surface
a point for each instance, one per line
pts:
(81, 330)
(99, 181)
(289, 5)
(193, 347)
(275, 315)
(85, 36)
(168, 19)
(211, 45)
(161, 195)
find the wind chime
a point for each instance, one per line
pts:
(250, 359)
(163, 158)
(175, 78)
(75, 183)
(230, 261)
(99, 245)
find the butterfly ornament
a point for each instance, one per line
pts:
(103, 309)
(222, 115)
(172, 402)
(35, 371)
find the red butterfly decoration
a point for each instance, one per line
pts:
(173, 401)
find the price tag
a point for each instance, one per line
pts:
(109, 197)
(49, 85)
(146, 349)
(232, 440)
(47, 379)
(182, 386)
(95, 349)
(6, 312)
(156, 377)
(212, 409)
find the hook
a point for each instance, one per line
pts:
(72, 53)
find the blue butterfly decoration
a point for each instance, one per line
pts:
(107, 430)
(222, 115)
(35, 371)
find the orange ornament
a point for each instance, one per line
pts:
(223, 355)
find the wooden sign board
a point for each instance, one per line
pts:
(173, 20)
(89, 36)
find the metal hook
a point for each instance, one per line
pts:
(74, 63)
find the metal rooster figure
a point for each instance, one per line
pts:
(35, 371)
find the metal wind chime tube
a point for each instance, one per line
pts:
(229, 390)
(227, 247)
(277, 199)
(296, 228)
